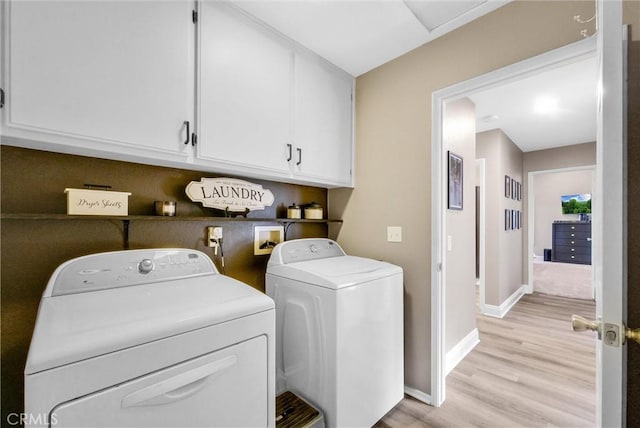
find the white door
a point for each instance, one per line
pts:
(610, 216)
(100, 76)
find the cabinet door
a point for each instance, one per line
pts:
(244, 92)
(323, 121)
(114, 77)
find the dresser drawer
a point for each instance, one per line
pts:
(568, 234)
(572, 242)
(572, 258)
(561, 249)
(577, 227)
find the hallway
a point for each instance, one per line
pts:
(529, 370)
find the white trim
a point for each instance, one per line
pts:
(438, 254)
(549, 60)
(461, 350)
(609, 224)
(464, 18)
(418, 395)
(481, 165)
(505, 307)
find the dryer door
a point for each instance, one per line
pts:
(226, 388)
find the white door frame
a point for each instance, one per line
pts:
(609, 227)
(610, 213)
(482, 235)
(555, 58)
(531, 217)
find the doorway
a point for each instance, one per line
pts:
(609, 228)
(569, 54)
(569, 273)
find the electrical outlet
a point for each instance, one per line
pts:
(214, 235)
(394, 234)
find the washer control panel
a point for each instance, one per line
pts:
(300, 250)
(126, 268)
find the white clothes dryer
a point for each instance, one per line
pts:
(151, 338)
(339, 330)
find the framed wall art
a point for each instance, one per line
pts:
(507, 186)
(455, 181)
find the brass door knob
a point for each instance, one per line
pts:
(633, 334)
(579, 323)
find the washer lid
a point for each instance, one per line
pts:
(335, 272)
(73, 327)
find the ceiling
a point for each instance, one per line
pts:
(360, 35)
(553, 108)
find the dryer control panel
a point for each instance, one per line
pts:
(301, 250)
(127, 268)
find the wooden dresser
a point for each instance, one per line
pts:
(571, 242)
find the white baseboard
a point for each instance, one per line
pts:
(418, 395)
(528, 288)
(462, 348)
(505, 307)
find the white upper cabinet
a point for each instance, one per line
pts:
(94, 77)
(152, 82)
(267, 105)
(244, 88)
(322, 121)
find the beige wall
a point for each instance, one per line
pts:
(578, 155)
(510, 262)
(393, 146)
(548, 188)
(503, 267)
(459, 137)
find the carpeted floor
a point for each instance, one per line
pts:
(563, 279)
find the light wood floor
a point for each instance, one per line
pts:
(529, 370)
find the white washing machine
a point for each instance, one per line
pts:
(150, 338)
(339, 330)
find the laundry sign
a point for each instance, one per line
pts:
(229, 194)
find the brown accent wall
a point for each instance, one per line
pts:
(34, 181)
(633, 316)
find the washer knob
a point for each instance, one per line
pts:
(313, 248)
(145, 266)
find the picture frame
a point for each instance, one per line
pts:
(513, 189)
(507, 220)
(519, 191)
(455, 177)
(519, 219)
(507, 186)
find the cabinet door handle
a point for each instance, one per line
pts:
(186, 122)
(290, 152)
(1, 98)
(299, 150)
